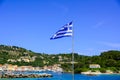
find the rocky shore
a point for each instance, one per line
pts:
(25, 75)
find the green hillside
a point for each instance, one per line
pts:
(21, 56)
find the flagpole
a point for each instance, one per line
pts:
(73, 55)
(63, 32)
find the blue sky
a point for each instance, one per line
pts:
(31, 23)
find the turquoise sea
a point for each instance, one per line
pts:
(68, 76)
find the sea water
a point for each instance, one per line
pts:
(68, 76)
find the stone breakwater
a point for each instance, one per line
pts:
(25, 75)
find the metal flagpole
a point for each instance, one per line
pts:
(73, 54)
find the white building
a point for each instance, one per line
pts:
(94, 66)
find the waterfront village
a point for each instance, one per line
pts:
(10, 67)
(8, 71)
(14, 55)
(54, 68)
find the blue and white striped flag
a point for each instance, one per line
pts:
(65, 31)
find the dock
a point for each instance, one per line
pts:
(42, 75)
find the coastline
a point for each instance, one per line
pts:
(98, 73)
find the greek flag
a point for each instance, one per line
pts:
(65, 31)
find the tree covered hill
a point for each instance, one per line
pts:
(21, 56)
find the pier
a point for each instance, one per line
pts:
(25, 75)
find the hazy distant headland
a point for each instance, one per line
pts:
(105, 62)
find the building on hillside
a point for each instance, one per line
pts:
(25, 68)
(11, 67)
(60, 58)
(1, 68)
(109, 71)
(94, 66)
